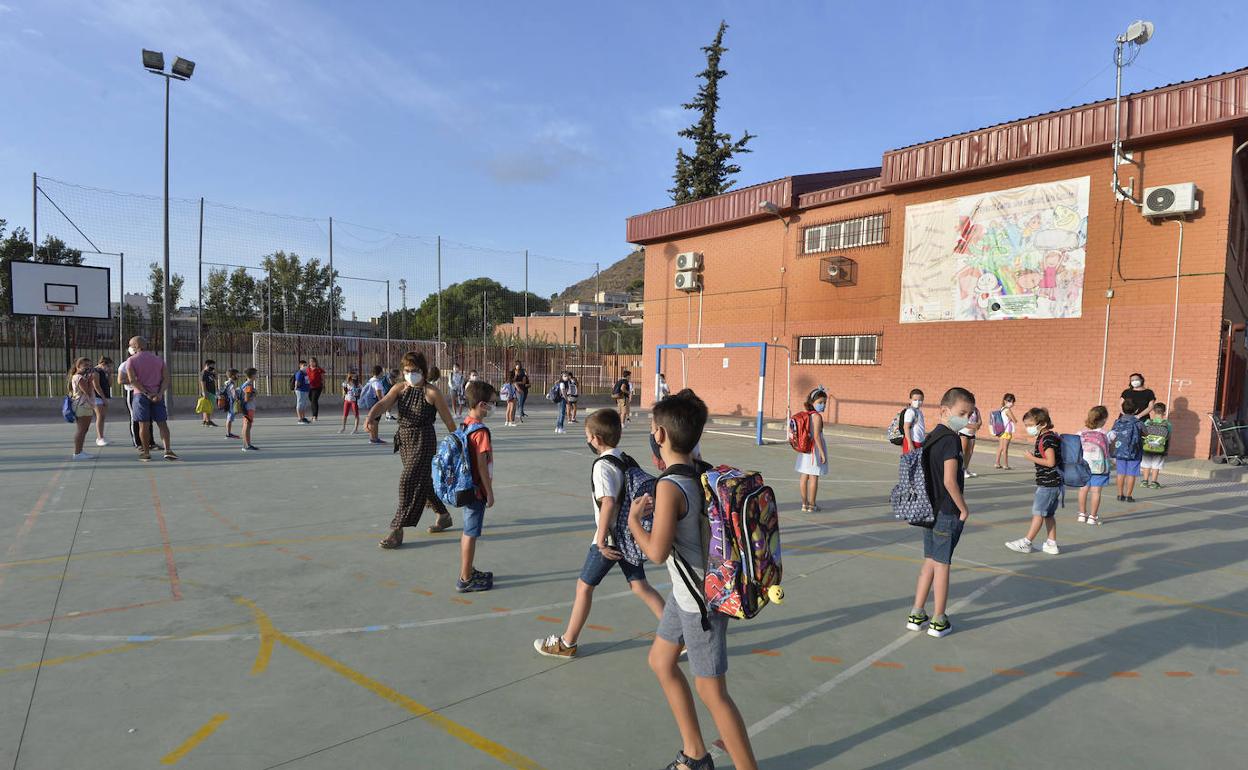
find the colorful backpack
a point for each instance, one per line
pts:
(996, 421)
(1095, 447)
(637, 483)
(896, 432)
(1156, 437)
(911, 498)
(555, 393)
(452, 467)
(508, 393)
(1076, 471)
(741, 537)
(1127, 438)
(800, 437)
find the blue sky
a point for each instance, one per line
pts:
(539, 125)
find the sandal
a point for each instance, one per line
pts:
(394, 541)
(683, 762)
(441, 525)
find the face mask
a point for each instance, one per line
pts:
(820, 407)
(1137, 383)
(1033, 430)
(916, 403)
(956, 423)
(414, 378)
(1009, 404)
(487, 408)
(130, 350)
(591, 447)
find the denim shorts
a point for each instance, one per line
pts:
(1046, 500)
(474, 518)
(708, 650)
(302, 399)
(147, 411)
(1128, 467)
(943, 537)
(597, 566)
(1098, 479)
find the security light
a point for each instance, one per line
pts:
(183, 68)
(154, 60)
(769, 207)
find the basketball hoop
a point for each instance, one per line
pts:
(60, 308)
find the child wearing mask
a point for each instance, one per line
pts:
(1047, 456)
(814, 463)
(1006, 435)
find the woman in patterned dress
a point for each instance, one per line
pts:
(418, 403)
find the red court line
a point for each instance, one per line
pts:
(608, 629)
(1125, 675)
(175, 585)
(1070, 674)
(28, 523)
(1179, 674)
(1228, 672)
(548, 619)
(824, 659)
(887, 664)
(87, 614)
(765, 653)
(949, 669)
(1009, 672)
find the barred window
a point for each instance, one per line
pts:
(845, 349)
(852, 233)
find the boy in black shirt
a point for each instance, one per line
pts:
(1047, 457)
(942, 466)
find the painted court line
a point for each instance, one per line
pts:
(196, 738)
(28, 523)
(174, 585)
(784, 712)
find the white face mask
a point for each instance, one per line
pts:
(1033, 430)
(130, 350)
(413, 378)
(916, 403)
(1137, 383)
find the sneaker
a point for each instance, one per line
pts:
(1050, 547)
(375, 441)
(1129, 499)
(916, 620)
(169, 455)
(940, 627)
(1082, 518)
(101, 442)
(972, 474)
(683, 760)
(232, 435)
(251, 448)
(82, 456)
(1022, 545)
(145, 456)
(475, 583)
(1094, 520)
(1122, 498)
(488, 576)
(1156, 485)
(553, 647)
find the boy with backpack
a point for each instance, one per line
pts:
(373, 391)
(232, 406)
(679, 508)
(623, 395)
(1155, 444)
(609, 486)
(914, 429)
(480, 397)
(1047, 456)
(945, 480)
(1126, 438)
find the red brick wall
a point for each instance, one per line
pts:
(758, 287)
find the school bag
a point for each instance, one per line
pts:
(896, 432)
(292, 382)
(740, 543)
(618, 389)
(368, 397)
(452, 467)
(555, 393)
(1156, 437)
(1076, 471)
(1126, 438)
(1094, 445)
(911, 498)
(508, 393)
(996, 421)
(637, 483)
(800, 437)
(67, 409)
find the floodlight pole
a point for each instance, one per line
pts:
(440, 289)
(34, 257)
(121, 309)
(199, 317)
(164, 300)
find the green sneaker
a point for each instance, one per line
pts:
(916, 620)
(940, 627)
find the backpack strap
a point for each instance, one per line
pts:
(683, 568)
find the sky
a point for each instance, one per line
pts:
(537, 126)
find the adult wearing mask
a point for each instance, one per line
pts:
(149, 375)
(316, 386)
(1138, 398)
(418, 402)
(520, 378)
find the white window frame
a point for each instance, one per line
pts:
(840, 349)
(846, 234)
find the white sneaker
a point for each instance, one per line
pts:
(1022, 545)
(82, 456)
(101, 442)
(1050, 547)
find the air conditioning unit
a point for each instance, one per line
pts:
(689, 260)
(1170, 200)
(688, 280)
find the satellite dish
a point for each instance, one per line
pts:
(1139, 32)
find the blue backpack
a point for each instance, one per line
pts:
(67, 410)
(911, 498)
(1127, 438)
(368, 396)
(452, 467)
(555, 394)
(1075, 470)
(637, 483)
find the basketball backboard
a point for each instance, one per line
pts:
(65, 291)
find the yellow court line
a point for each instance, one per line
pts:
(115, 650)
(196, 738)
(449, 726)
(1159, 598)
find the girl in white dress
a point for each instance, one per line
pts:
(813, 464)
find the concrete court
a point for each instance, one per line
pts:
(233, 611)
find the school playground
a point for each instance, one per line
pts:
(233, 611)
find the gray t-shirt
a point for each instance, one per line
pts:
(688, 541)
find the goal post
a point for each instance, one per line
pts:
(761, 347)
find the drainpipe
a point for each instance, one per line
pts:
(1174, 329)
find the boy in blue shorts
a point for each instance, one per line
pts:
(481, 396)
(676, 424)
(602, 435)
(1047, 456)
(1127, 441)
(943, 469)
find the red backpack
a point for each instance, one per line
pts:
(800, 437)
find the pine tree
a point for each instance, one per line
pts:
(710, 169)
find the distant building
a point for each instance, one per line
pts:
(575, 329)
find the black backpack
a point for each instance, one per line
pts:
(292, 382)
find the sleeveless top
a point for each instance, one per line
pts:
(415, 412)
(688, 540)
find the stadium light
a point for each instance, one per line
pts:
(153, 60)
(183, 68)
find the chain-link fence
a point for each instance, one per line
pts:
(321, 287)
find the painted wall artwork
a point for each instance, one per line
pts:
(1015, 253)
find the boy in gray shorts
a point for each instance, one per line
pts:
(676, 425)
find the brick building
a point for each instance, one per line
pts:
(999, 259)
(575, 329)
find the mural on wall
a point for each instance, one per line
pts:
(1015, 253)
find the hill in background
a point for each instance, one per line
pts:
(626, 275)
